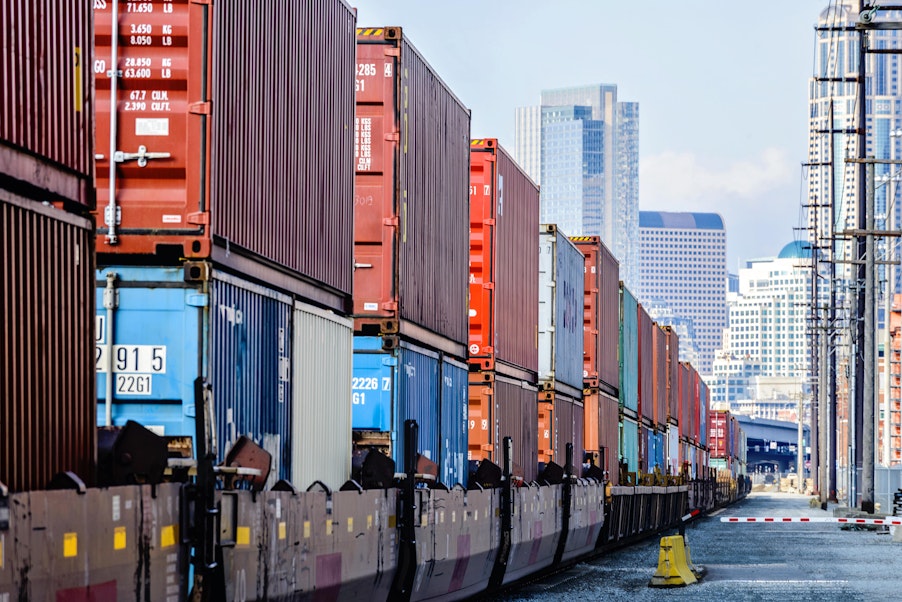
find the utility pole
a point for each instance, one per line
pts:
(858, 399)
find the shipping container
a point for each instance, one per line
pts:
(686, 399)
(504, 263)
(629, 444)
(321, 416)
(720, 435)
(659, 376)
(673, 375)
(47, 115)
(411, 382)
(411, 207)
(647, 400)
(188, 96)
(561, 267)
(672, 447)
(601, 315)
(239, 337)
(704, 403)
(609, 435)
(501, 407)
(629, 351)
(47, 422)
(560, 421)
(653, 452)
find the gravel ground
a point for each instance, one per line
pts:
(790, 562)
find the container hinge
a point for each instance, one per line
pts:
(489, 286)
(200, 108)
(488, 222)
(199, 218)
(390, 221)
(392, 51)
(142, 156)
(393, 136)
(390, 306)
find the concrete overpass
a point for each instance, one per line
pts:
(772, 444)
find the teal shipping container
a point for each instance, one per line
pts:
(629, 350)
(629, 443)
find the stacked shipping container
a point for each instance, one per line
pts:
(47, 421)
(503, 325)
(411, 233)
(260, 307)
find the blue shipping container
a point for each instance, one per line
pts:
(629, 350)
(629, 444)
(413, 383)
(561, 283)
(169, 331)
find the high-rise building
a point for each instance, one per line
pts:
(768, 333)
(683, 264)
(582, 146)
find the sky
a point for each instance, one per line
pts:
(722, 87)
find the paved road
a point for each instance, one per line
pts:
(790, 562)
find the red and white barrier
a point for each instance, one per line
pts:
(889, 520)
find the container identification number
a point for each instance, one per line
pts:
(133, 384)
(146, 359)
(362, 384)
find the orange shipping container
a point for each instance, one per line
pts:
(504, 263)
(602, 432)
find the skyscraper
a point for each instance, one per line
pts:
(683, 264)
(587, 146)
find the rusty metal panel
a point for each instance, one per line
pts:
(504, 215)
(47, 417)
(646, 365)
(205, 157)
(411, 208)
(536, 529)
(46, 96)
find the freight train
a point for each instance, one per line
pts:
(307, 345)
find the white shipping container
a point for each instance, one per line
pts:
(321, 412)
(672, 451)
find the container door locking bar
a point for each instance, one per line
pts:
(142, 156)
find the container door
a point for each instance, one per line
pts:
(372, 390)
(453, 430)
(418, 399)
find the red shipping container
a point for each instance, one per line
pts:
(647, 399)
(504, 263)
(46, 99)
(47, 380)
(228, 145)
(718, 434)
(673, 375)
(608, 443)
(601, 315)
(659, 376)
(685, 399)
(411, 209)
(502, 407)
(560, 421)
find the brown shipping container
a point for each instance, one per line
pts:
(647, 399)
(47, 110)
(560, 421)
(504, 263)
(411, 208)
(601, 315)
(235, 121)
(609, 435)
(673, 375)
(48, 408)
(659, 375)
(684, 398)
(503, 407)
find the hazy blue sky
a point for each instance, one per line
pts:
(722, 87)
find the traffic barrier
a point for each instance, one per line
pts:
(673, 565)
(888, 521)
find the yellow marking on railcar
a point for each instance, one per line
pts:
(167, 536)
(328, 527)
(283, 530)
(369, 522)
(350, 524)
(243, 536)
(70, 545)
(306, 529)
(119, 538)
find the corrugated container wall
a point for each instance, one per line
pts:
(504, 407)
(647, 399)
(565, 426)
(687, 387)
(601, 317)
(629, 351)
(46, 99)
(453, 464)
(238, 337)
(321, 418)
(47, 420)
(673, 375)
(411, 208)
(561, 267)
(609, 435)
(504, 260)
(629, 443)
(719, 435)
(704, 402)
(190, 95)
(659, 376)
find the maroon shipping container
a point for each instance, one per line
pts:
(560, 421)
(609, 435)
(719, 434)
(659, 376)
(686, 386)
(231, 143)
(673, 375)
(647, 399)
(46, 99)
(502, 407)
(601, 315)
(48, 408)
(411, 208)
(504, 263)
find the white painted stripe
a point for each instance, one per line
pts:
(889, 520)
